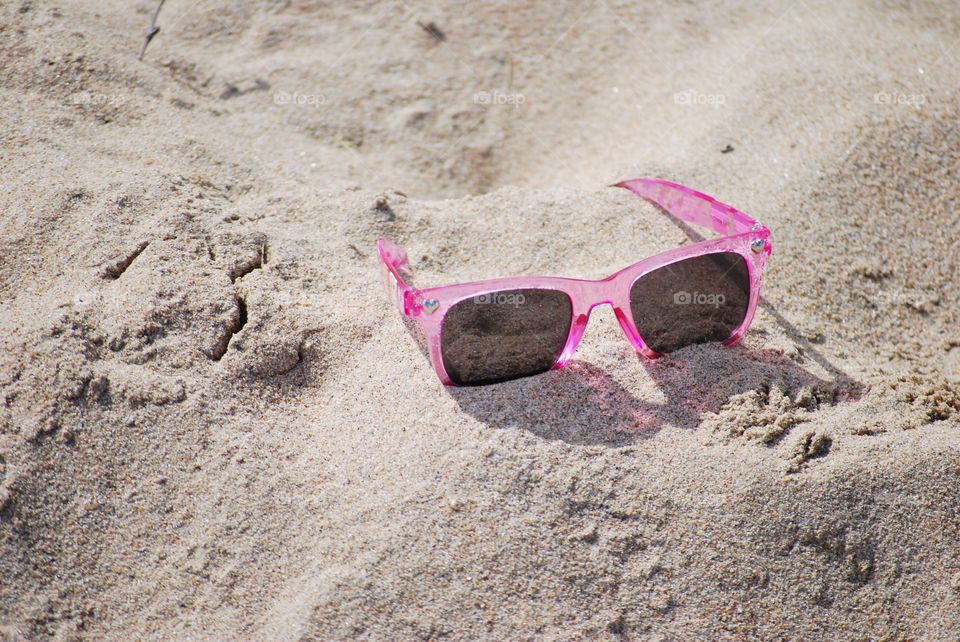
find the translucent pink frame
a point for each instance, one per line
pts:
(742, 235)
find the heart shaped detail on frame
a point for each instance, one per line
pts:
(430, 305)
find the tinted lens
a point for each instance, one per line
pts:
(695, 300)
(503, 335)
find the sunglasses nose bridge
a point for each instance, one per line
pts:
(587, 296)
(609, 293)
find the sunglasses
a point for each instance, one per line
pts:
(491, 331)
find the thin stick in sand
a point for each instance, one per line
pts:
(154, 30)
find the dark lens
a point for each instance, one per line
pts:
(695, 300)
(504, 335)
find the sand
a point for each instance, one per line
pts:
(214, 426)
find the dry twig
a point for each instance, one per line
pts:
(154, 30)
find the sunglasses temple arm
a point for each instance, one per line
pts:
(690, 205)
(398, 278)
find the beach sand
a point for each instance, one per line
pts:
(213, 425)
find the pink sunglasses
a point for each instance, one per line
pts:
(490, 331)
